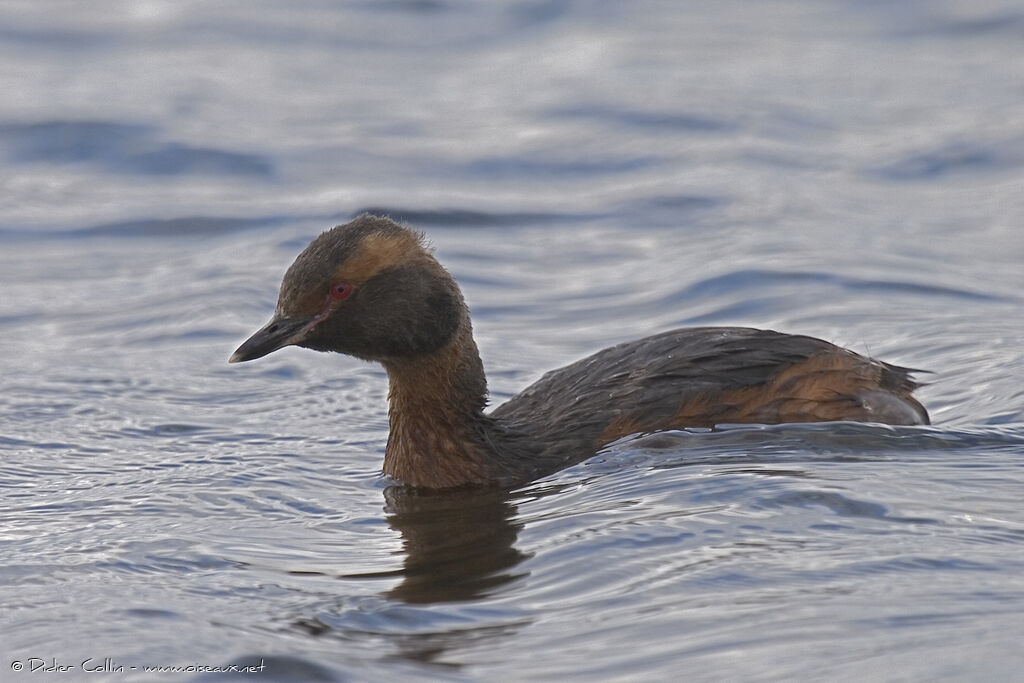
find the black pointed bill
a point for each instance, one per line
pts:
(276, 334)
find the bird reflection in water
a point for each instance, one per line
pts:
(459, 545)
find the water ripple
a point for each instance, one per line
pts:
(122, 148)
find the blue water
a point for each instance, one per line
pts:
(590, 173)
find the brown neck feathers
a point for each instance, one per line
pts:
(438, 433)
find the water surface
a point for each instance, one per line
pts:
(590, 174)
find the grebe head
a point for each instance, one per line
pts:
(370, 289)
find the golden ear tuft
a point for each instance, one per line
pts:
(380, 251)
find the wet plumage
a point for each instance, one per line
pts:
(371, 289)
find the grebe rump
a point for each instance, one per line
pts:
(372, 289)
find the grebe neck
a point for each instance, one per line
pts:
(439, 435)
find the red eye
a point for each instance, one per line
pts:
(341, 291)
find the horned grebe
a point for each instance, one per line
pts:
(371, 289)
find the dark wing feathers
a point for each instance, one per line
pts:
(712, 373)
